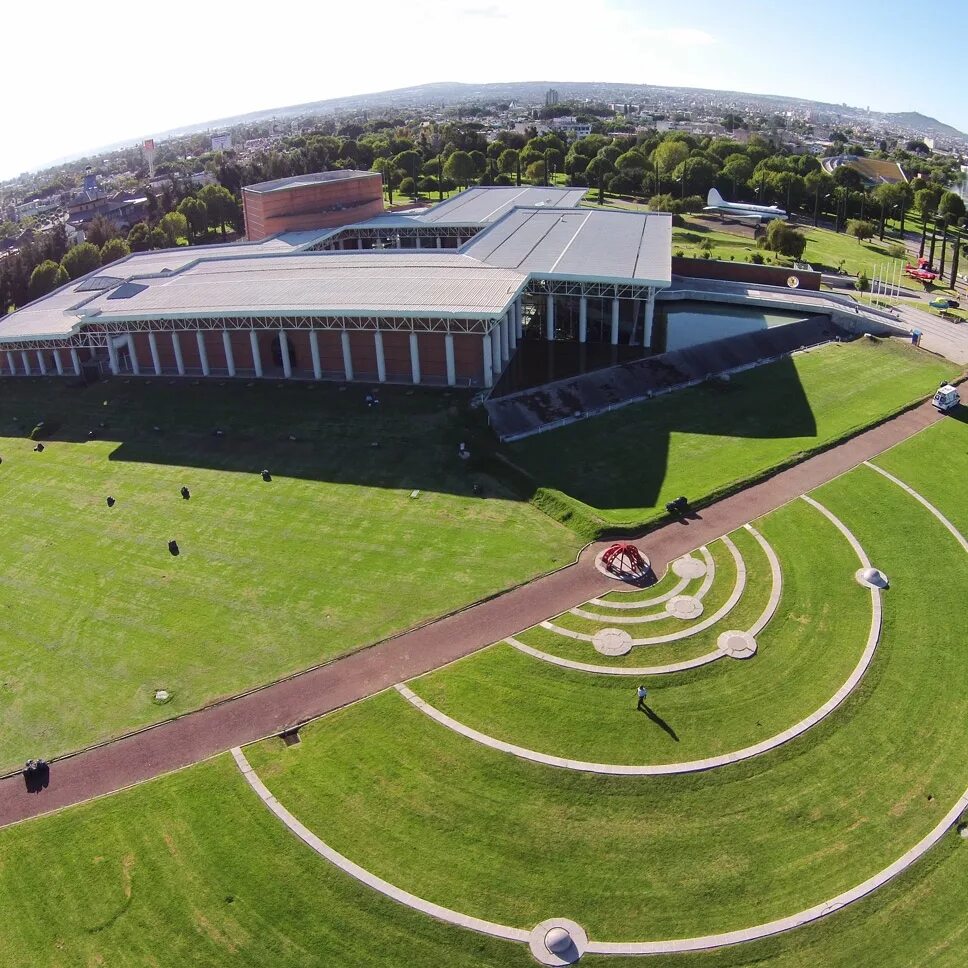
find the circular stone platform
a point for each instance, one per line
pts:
(558, 941)
(688, 567)
(871, 578)
(625, 576)
(737, 645)
(612, 642)
(684, 606)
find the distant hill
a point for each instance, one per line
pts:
(930, 126)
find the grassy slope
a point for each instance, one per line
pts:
(332, 554)
(618, 470)
(933, 463)
(804, 656)
(191, 869)
(464, 825)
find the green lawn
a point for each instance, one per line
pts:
(618, 470)
(191, 869)
(501, 838)
(805, 655)
(95, 615)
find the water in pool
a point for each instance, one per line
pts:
(687, 323)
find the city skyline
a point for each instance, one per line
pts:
(190, 69)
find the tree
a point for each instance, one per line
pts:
(536, 172)
(459, 168)
(410, 162)
(738, 169)
(114, 249)
(951, 207)
(45, 278)
(196, 216)
(668, 156)
(888, 197)
(861, 229)
(174, 225)
(863, 283)
(157, 238)
(81, 259)
(784, 239)
(507, 161)
(100, 230)
(138, 237)
(220, 204)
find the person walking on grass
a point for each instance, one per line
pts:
(641, 693)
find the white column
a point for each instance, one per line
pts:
(75, 359)
(25, 359)
(449, 353)
(505, 340)
(112, 355)
(414, 358)
(202, 352)
(488, 369)
(512, 331)
(155, 358)
(314, 352)
(519, 315)
(176, 349)
(615, 321)
(13, 366)
(381, 363)
(649, 315)
(460, 241)
(59, 363)
(359, 243)
(583, 319)
(417, 243)
(496, 348)
(550, 317)
(344, 338)
(256, 354)
(439, 246)
(135, 367)
(284, 352)
(229, 355)
(41, 362)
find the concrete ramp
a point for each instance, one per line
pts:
(555, 404)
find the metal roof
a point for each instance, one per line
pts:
(476, 206)
(319, 283)
(583, 244)
(314, 178)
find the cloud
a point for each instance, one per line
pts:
(491, 12)
(676, 36)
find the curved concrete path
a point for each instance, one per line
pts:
(776, 589)
(703, 943)
(724, 609)
(710, 762)
(282, 705)
(701, 593)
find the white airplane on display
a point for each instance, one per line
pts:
(742, 211)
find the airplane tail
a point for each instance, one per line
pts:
(714, 198)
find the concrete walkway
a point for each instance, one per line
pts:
(199, 735)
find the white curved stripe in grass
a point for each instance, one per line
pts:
(616, 670)
(701, 593)
(363, 875)
(659, 599)
(727, 607)
(710, 762)
(672, 946)
(959, 537)
(794, 920)
(776, 586)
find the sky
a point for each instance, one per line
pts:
(81, 76)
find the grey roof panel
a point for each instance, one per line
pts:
(487, 204)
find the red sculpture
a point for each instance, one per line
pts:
(623, 559)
